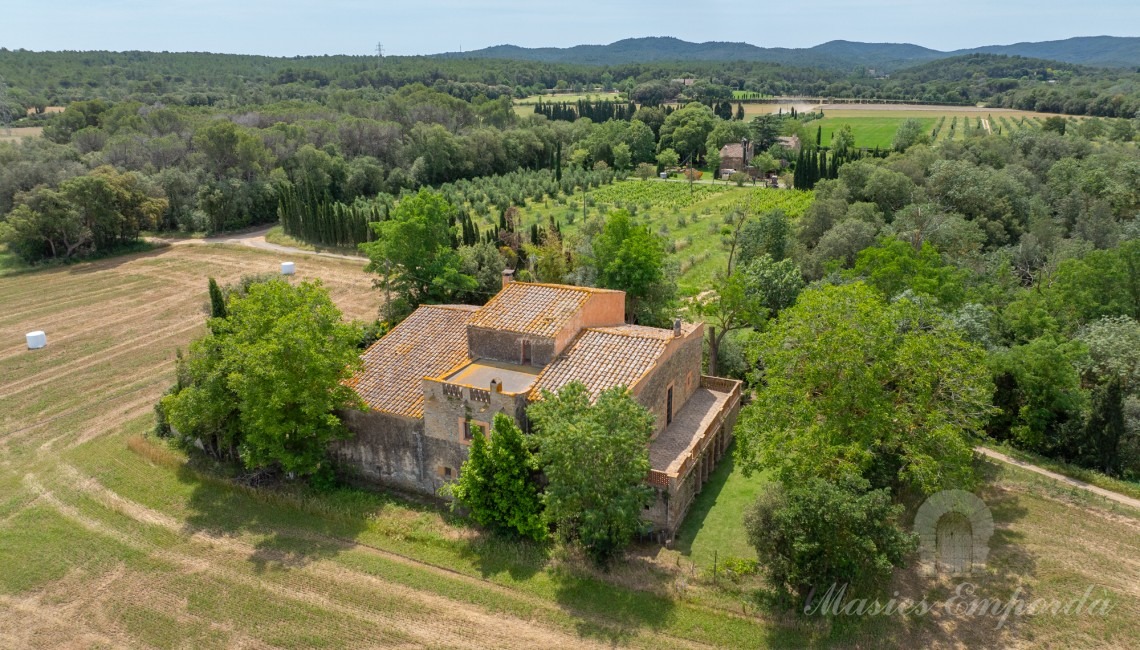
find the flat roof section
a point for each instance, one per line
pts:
(670, 448)
(479, 373)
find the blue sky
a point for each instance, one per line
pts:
(291, 27)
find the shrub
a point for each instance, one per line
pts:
(815, 534)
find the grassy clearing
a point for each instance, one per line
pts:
(870, 132)
(15, 134)
(714, 528)
(276, 235)
(531, 100)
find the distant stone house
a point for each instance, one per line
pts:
(735, 156)
(790, 142)
(449, 368)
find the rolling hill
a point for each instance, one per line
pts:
(1104, 51)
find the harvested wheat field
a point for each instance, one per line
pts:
(109, 539)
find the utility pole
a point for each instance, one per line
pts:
(380, 53)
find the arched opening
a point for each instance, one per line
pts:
(954, 543)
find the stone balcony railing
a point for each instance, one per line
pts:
(730, 386)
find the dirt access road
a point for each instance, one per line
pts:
(255, 239)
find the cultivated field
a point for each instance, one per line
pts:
(874, 125)
(692, 219)
(20, 132)
(108, 539)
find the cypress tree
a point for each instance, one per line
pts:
(217, 301)
(740, 111)
(819, 135)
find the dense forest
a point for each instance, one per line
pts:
(37, 80)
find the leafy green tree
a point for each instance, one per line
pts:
(668, 158)
(94, 212)
(622, 156)
(686, 129)
(485, 263)
(1113, 345)
(909, 133)
(855, 386)
(1105, 430)
(777, 282)
(645, 171)
(839, 247)
(1056, 124)
(266, 381)
(1039, 396)
(734, 305)
(713, 160)
(843, 142)
(747, 297)
(893, 266)
(595, 458)
(767, 235)
(631, 258)
(413, 254)
(815, 534)
(765, 129)
(496, 485)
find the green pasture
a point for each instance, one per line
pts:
(869, 132)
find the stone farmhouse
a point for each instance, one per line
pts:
(449, 368)
(734, 156)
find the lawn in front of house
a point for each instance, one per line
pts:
(714, 527)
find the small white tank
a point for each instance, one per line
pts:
(288, 268)
(36, 340)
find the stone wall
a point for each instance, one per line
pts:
(384, 448)
(500, 345)
(680, 367)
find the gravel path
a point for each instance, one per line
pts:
(254, 239)
(1107, 494)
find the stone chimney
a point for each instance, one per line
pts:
(677, 327)
(496, 386)
(508, 276)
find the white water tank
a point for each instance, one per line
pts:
(36, 340)
(288, 268)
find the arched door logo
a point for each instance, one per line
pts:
(954, 529)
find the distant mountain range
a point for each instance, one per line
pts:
(1102, 51)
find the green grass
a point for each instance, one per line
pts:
(870, 132)
(8, 261)
(714, 527)
(566, 97)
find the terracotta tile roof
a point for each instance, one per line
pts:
(732, 150)
(532, 308)
(428, 343)
(605, 357)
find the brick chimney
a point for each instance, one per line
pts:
(508, 276)
(677, 327)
